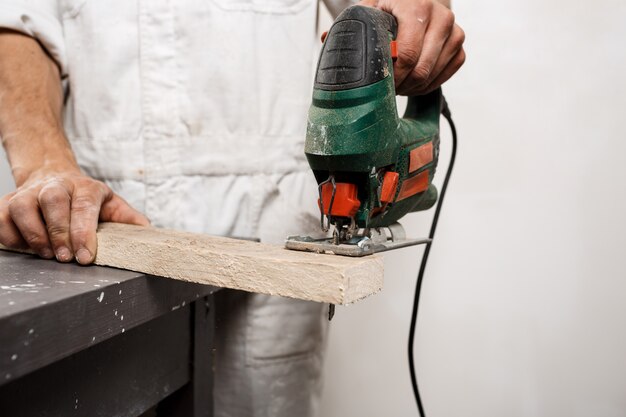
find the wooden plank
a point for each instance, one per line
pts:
(239, 264)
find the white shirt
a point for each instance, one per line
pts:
(169, 101)
(195, 112)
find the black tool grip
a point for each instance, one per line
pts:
(356, 51)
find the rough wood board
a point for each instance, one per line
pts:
(239, 264)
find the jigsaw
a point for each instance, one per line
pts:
(372, 166)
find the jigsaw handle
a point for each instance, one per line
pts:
(359, 50)
(356, 51)
(423, 107)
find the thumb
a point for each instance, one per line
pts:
(117, 210)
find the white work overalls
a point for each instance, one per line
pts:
(194, 111)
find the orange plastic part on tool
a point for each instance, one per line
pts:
(390, 184)
(413, 185)
(345, 203)
(420, 156)
(393, 46)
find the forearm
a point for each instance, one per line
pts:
(31, 100)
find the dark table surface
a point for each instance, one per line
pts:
(50, 310)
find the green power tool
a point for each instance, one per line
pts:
(372, 167)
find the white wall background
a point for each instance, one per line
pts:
(6, 180)
(524, 303)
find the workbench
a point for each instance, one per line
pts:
(99, 342)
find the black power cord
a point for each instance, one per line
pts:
(420, 275)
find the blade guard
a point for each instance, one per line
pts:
(339, 199)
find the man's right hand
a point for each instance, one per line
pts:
(56, 214)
